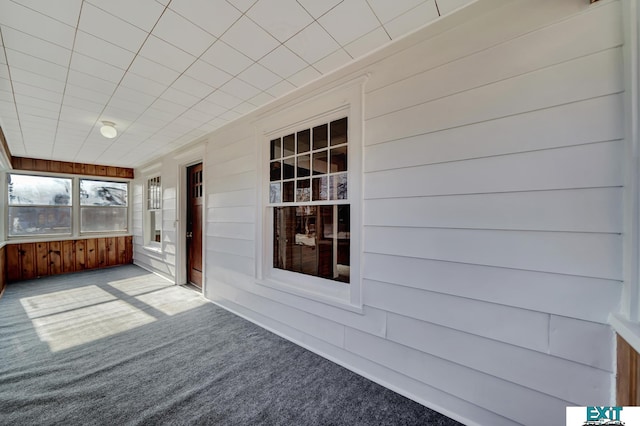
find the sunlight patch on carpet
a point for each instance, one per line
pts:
(77, 327)
(66, 300)
(173, 300)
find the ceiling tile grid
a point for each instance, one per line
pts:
(169, 71)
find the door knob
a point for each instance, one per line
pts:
(189, 234)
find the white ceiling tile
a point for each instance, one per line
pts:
(31, 22)
(206, 107)
(192, 86)
(66, 11)
(312, 43)
(36, 112)
(133, 95)
(340, 22)
(243, 5)
(87, 65)
(318, 8)
(149, 118)
(143, 85)
(226, 58)
(25, 43)
(283, 62)
(243, 108)
(183, 34)
(368, 43)
(111, 28)
(230, 115)
(180, 97)
(123, 104)
(303, 77)
(72, 114)
(213, 16)
(80, 103)
(168, 106)
(208, 74)
(87, 94)
(89, 82)
(26, 77)
(18, 60)
(35, 102)
(166, 54)
(261, 99)
(415, 18)
(259, 76)
(240, 89)
(121, 117)
(281, 18)
(448, 6)
(224, 99)
(250, 39)
(143, 14)
(153, 70)
(387, 10)
(37, 92)
(101, 50)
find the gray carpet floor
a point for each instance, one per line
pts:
(122, 346)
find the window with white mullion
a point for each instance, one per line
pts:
(153, 215)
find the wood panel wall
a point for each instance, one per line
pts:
(627, 374)
(40, 259)
(39, 165)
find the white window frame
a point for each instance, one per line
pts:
(147, 231)
(75, 208)
(344, 100)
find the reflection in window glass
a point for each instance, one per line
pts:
(39, 220)
(313, 240)
(339, 131)
(103, 206)
(275, 193)
(304, 141)
(276, 149)
(38, 205)
(289, 145)
(320, 137)
(102, 193)
(38, 190)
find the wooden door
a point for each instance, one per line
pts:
(195, 196)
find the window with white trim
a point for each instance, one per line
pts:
(308, 192)
(153, 215)
(103, 206)
(39, 205)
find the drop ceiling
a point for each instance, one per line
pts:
(170, 71)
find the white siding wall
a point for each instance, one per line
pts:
(492, 216)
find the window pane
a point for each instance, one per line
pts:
(303, 192)
(275, 190)
(320, 163)
(102, 193)
(39, 220)
(289, 168)
(305, 238)
(103, 219)
(287, 192)
(320, 137)
(304, 165)
(155, 226)
(276, 149)
(338, 187)
(304, 141)
(39, 190)
(339, 131)
(320, 188)
(339, 159)
(276, 170)
(289, 145)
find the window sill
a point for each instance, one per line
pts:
(316, 296)
(63, 237)
(153, 249)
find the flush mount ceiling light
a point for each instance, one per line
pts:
(108, 130)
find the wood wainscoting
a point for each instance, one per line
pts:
(40, 259)
(627, 374)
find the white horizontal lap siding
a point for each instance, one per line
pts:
(492, 211)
